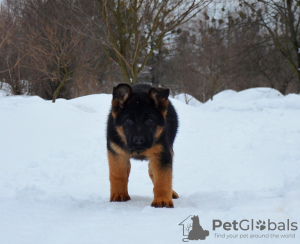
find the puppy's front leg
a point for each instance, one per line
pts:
(119, 170)
(160, 173)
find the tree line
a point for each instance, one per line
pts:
(65, 49)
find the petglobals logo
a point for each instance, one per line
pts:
(254, 229)
(246, 225)
(195, 230)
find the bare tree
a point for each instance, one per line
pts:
(10, 55)
(55, 51)
(134, 29)
(281, 20)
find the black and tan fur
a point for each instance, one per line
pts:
(142, 124)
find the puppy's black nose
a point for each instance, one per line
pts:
(138, 140)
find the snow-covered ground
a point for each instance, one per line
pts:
(237, 158)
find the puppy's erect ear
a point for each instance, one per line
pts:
(165, 92)
(158, 94)
(160, 98)
(120, 94)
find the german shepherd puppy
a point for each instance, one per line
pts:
(142, 124)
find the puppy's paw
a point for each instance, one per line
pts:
(162, 203)
(119, 197)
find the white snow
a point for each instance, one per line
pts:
(236, 157)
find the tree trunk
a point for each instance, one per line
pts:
(299, 80)
(284, 86)
(58, 89)
(134, 78)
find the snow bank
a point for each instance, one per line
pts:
(236, 157)
(253, 99)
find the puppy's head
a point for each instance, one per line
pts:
(139, 115)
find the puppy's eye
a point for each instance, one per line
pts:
(128, 122)
(149, 122)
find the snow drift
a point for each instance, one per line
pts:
(236, 157)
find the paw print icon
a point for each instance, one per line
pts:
(261, 225)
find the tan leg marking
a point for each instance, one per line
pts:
(119, 170)
(162, 181)
(156, 150)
